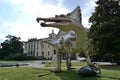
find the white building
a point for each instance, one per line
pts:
(40, 49)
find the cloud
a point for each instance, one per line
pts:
(87, 12)
(2, 36)
(23, 23)
(26, 31)
(89, 7)
(38, 7)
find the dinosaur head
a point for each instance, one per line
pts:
(63, 22)
(70, 21)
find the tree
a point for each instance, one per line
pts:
(0, 52)
(11, 46)
(105, 28)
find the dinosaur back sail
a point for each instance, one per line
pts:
(70, 21)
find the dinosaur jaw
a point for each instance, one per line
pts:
(55, 22)
(53, 19)
(57, 25)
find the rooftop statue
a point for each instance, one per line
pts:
(71, 21)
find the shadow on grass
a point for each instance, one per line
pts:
(46, 74)
(72, 75)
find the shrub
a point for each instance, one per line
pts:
(19, 56)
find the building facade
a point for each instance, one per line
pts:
(39, 49)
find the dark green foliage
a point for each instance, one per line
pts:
(0, 52)
(11, 46)
(107, 38)
(105, 29)
(19, 57)
(106, 10)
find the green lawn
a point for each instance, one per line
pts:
(27, 73)
(74, 63)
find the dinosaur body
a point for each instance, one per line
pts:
(70, 21)
(64, 42)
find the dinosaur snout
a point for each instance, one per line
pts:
(37, 20)
(42, 24)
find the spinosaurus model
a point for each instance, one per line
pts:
(64, 42)
(71, 21)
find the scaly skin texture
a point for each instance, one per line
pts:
(70, 21)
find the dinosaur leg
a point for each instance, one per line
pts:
(68, 61)
(88, 59)
(95, 68)
(59, 61)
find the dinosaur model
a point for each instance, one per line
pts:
(64, 42)
(70, 21)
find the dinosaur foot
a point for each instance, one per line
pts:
(56, 71)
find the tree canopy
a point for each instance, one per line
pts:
(105, 29)
(11, 46)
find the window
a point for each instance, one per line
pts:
(54, 51)
(48, 46)
(31, 47)
(37, 46)
(25, 47)
(42, 45)
(42, 53)
(37, 54)
(48, 53)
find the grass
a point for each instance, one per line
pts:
(74, 63)
(113, 71)
(28, 73)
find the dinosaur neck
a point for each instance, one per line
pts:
(81, 38)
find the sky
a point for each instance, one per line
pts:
(18, 17)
